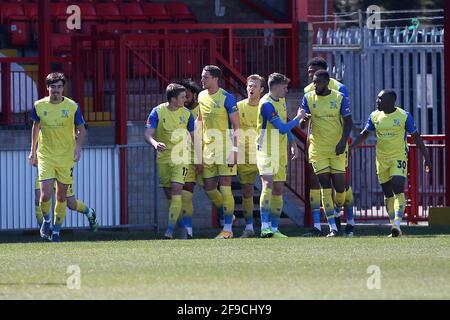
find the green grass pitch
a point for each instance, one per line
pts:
(132, 265)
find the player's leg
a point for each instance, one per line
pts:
(60, 210)
(389, 200)
(210, 181)
(314, 200)
(276, 207)
(228, 201)
(187, 209)
(322, 168)
(338, 167)
(37, 208)
(398, 186)
(265, 204)
(174, 208)
(348, 206)
(46, 180)
(78, 205)
(247, 176)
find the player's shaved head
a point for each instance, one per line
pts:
(318, 63)
(386, 100)
(390, 95)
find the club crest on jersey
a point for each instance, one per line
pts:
(45, 113)
(216, 104)
(314, 105)
(64, 113)
(333, 104)
(396, 122)
(182, 119)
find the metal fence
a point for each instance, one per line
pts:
(95, 182)
(410, 61)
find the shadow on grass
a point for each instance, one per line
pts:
(130, 235)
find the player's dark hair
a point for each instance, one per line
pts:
(55, 77)
(214, 71)
(277, 78)
(190, 85)
(390, 93)
(257, 77)
(322, 74)
(173, 90)
(318, 62)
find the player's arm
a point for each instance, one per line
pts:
(368, 129)
(198, 143)
(348, 124)
(410, 127)
(305, 121)
(233, 113)
(32, 158)
(79, 125)
(151, 126)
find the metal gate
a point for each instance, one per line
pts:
(409, 61)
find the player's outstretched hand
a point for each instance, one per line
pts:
(160, 146)
(340, 147)
(294, 151)
(32, 159)
(77, 154)
(301, 114)
(428, 165)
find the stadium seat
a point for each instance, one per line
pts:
(17, 23)
(180, 12)
(132, 12)
(156, 12)
(61, 44)
(88, 16)
(109, 12)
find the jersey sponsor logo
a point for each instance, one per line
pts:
(333, 104)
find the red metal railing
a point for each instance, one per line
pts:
(422, 190)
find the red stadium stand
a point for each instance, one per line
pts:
(180, 12)
(109, 12)
(17, 24)
(156, 12)
(89, 16)
(132, 12)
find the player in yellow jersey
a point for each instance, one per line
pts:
(185, 221)
(247, 168)
(219, 121)
(168, 128)
(328, 141)
(55, 119)
(315, 64)
(72, 202)
(391, 124)
(273, 134)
